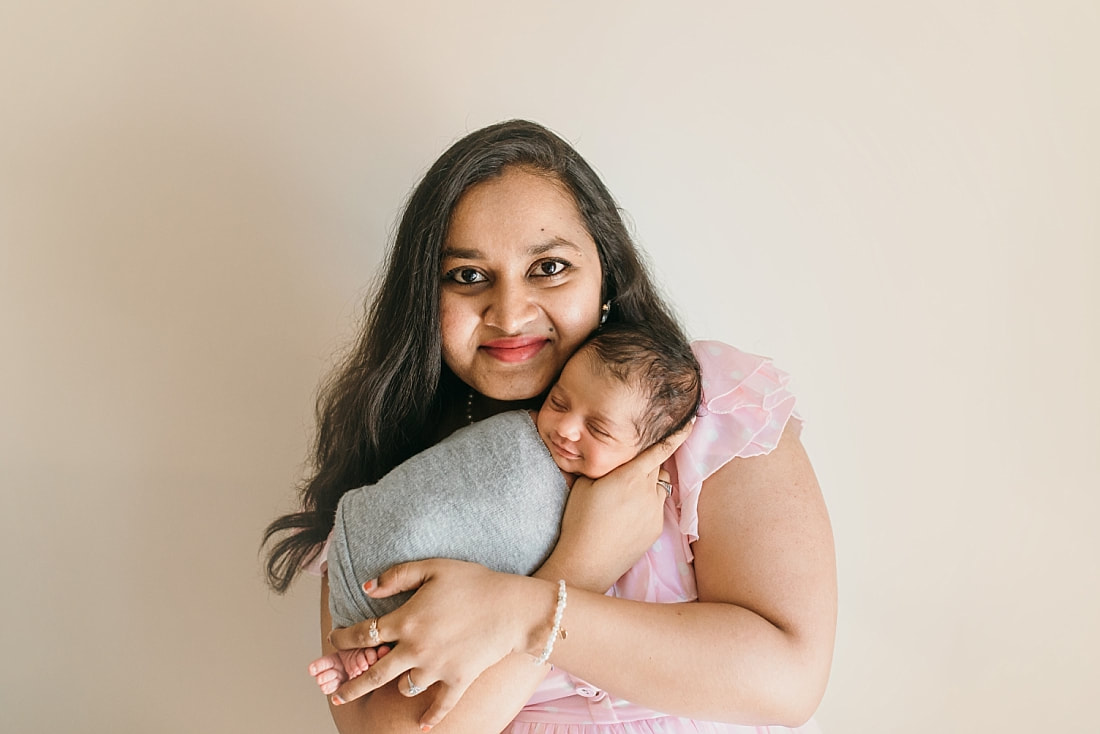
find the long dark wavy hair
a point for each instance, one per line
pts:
(384, 401)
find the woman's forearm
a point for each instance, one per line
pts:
(706, 660)
(758, 646)
(488, 705)
(710, 661)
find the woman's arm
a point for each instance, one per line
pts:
(590, 554)
(757, 647)
(490, 703)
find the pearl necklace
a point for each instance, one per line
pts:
(470, 408)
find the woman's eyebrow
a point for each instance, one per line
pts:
(462, 253)
(552, 244)
(472, 253)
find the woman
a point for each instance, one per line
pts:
(509, 253)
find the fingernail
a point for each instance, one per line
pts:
(336, 700)
(369, 585)
(425, 728)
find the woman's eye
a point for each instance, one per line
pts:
(551, 267)
(466, 276)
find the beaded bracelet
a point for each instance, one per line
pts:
(558, 612)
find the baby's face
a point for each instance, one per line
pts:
(588, 420)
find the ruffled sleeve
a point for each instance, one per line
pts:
(746, 405)
(319, 564)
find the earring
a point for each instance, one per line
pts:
(605, 310)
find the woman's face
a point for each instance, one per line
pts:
(521, 285)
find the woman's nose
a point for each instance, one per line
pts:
(510, 308)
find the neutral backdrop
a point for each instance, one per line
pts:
(898, 202)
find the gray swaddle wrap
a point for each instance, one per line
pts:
(489, 493)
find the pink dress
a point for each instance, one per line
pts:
(746, 406)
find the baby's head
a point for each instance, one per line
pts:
(627, 387)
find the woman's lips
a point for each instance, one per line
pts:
(517, 349)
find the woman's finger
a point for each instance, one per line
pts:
(374, 632)
(402, 577)
(658, 453)
(368, 633)
(664, 484)
(378, 675)
(446, 698)
(414, 682)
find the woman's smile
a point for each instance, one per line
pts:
(514, 349)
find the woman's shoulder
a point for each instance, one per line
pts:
(731, 375)
(748, 388)
(747, 405)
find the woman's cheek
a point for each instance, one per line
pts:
(576, 321)
(456, 334)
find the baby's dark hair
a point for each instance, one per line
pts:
(658, 363)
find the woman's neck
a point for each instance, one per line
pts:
(478, 407)
(468, 406)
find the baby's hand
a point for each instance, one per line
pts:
(328, 672)
(358, 660)
(332, 670)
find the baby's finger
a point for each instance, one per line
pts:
(358, 662)
(331, 678)
(320, 665)
(334, 676)
(446, 698)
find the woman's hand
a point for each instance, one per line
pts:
(462, 619)
(610, 522)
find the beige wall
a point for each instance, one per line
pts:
(900, 205)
